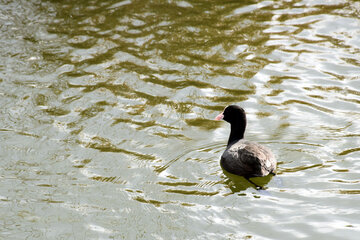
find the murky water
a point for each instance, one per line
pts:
(106, 123)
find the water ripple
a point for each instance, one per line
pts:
(115, 100)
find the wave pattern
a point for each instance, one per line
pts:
(107, 117)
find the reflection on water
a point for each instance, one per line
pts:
(107, 111)
(239, 184)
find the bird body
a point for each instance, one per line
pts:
(248, 159)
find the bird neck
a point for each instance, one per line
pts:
(236, 134)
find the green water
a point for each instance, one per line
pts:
(107, 108)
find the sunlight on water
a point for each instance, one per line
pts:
(107, 127)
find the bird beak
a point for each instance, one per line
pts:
(219, 117)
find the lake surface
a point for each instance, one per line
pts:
(107, 109)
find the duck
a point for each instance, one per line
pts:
(242, 157)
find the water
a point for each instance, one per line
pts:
(106, 118)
